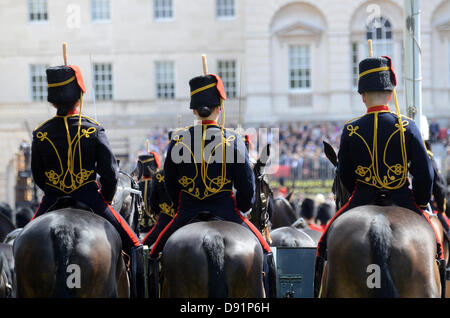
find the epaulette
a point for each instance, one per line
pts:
(42, 124)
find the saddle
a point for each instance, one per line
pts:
(66, 202)
(383, 198)
(205, 216)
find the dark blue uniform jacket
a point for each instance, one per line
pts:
(370, 157)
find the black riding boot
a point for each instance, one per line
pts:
(443, 276)
(153, 277)
(137, 281)
(270, 278)
(318, 272)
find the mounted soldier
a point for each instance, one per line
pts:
(147, 166)
(160, 204)
(378, 149)
(69, 150)
(204, 163)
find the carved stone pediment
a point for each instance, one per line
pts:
(298, 28)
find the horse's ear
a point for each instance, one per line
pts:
(288, 197)
(330, 153)
(139, 170)
(151, 171)
(264, 155)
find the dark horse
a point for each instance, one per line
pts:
(283, 213)
(289, 236)
(220, 258)
(69, 253)
(128, 200)
(6, 271)
(289, 230)
(379, 251)
(6, 226)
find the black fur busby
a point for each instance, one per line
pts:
(209, 97)
(308, 210)
(62, 94)
(324, 213)
(371, 79)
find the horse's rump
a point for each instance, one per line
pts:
(68, 253)
(219, 259)
(378, 251)
(289, 236)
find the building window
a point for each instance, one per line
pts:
(38, 80)
(380, 32)
(162, 9)
(37, 10)
(103, 81)
(228, 74)
(355, 64)
(299, 67)
(165, 80)
(100, 10)
(225, 9)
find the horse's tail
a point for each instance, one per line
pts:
(380, 237)
(64, 240)
(215, 253)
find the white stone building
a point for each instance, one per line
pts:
(281, 60)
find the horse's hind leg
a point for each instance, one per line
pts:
(123, 284)
(185, 273)
(245, 275)
(419, 277)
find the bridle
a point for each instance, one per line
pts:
(260, 212)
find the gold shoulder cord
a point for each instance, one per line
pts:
(77, 180)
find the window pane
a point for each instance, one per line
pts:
(38, 82)
(227, 72)
(300, 67)
(355, 65)
(225, 8)
(37, 10)
(100, 10)
(103, 81)
(165, 80)
(162, 9)
(380, 32)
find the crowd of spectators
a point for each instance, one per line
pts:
(301, 147)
